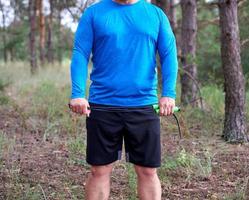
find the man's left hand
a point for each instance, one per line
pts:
(166, 106)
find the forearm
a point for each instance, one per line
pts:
(169, 66)
(169, 74)
(78, 74)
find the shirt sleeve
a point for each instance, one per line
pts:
(80, 56)
(166, 45)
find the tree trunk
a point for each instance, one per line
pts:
(172, 15)
(32, 47)
(188, 51)
(168, 6)
(50, 55)
(4, 33)
(60, 42)
(164, 5)
(153, 2)
(42, 31)
(234, 124)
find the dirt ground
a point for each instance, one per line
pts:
(45, 166)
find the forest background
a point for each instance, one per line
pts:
(42, 144)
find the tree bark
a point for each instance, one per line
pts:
(32, 46)
(168, 6)
(234, 85)
(50, 53)
(188, 51)
(4, 32)
(42, 31)
(153, 2)
(172, 15)
(59, 36)
(164, 5)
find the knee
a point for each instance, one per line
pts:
(145, 172)
(101, 171)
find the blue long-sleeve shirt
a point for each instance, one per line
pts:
(123, 40)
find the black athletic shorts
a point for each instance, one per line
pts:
(108, 126)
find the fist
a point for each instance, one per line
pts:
(80, 106)
(166, 106)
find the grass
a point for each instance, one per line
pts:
(2, 147)
(19, 190)
(191, 164)
(214, 98)
(132, 182)
(44, 96)
(6, 148)
(3, 84)
(77, 150)
(3, 99)
(75, 192)
(239, 193)
(247, 106)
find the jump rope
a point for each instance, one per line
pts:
(156, 108)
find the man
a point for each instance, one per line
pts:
(123, 36)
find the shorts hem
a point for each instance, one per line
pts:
(145, 165)
(90, 162)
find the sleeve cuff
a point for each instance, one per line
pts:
(75, 96)
(169, 94)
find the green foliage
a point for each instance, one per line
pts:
(77, 145)
(77, 150)
(17, 40)
(247, 106)
(3, 99)
(33, 193)
(239, 193)
(214, 98)
(44, 96)
(20, 190)
(207, 122)
(132, 182)
(208, 44)
(235, 196)
(208, 48)
(244, 34)
(2, 146)
(6, 146)
(4, 82)
(48, 100)
(191, 164)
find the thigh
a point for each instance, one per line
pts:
(142, 138)
(104, 137)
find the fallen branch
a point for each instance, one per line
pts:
(204, 23)
(197, 85)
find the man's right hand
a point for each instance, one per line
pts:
(80, 106)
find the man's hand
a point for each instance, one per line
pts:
(80, 106)
(166, 106)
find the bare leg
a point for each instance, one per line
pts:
(98, 183)
(149, 186)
